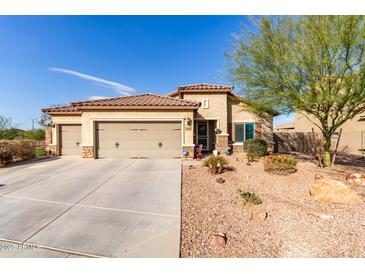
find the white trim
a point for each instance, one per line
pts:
(205, 103)
(243, 121)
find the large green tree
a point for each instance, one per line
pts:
(309, 64)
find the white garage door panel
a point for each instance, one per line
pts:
(138, 139)
(70, 139)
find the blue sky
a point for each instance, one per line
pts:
(48, 60)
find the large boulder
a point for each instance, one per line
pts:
(333, 192)
(356, 179)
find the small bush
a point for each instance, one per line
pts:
(255, 148)
(281, 165)
(215, 164)
(7, 153)
(37, 153)
(24, 149)
(249, 197)
(15, 150)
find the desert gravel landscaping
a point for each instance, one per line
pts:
(293, 227)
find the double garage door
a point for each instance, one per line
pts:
(138, 139)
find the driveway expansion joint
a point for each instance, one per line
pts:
(87, 195)
(93, 207)
(44, 177)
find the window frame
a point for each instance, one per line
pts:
(205, 103)
(244, 131)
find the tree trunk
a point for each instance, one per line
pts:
(327, 151)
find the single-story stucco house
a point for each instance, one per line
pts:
(155, 126)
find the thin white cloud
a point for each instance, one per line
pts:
(96, 97)
(120, 88)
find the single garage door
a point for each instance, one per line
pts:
(70, 139)
(138, 139)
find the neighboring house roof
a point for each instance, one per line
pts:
(61, 110)
(140, 101)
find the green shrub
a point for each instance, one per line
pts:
(281, 165)
(251, 156)
(39, 152)
(255, 148)
(9, 133)
(249, 197)
(215, 164)
(35, 134)
(18, 134)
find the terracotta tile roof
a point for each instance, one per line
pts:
(61, 110)
(205, 87)
(140, 101)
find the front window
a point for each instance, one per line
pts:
(244, 131)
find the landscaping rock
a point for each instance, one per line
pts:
(219, 239)
(258, 214)
(333, 192)
(318, 177)
(356, 179)
(320, 215)
(220, 180)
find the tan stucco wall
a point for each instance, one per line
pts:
(62, 119)
(66, 119)
(302, 124)
(353, 131)
(89, 117)
(237, 112)
(217, 107)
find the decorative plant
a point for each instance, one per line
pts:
(251, 157)
(37, 153)
(249, 197)
(215, 164)
(255, 148)
(281, 165)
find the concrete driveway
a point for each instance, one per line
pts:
(73, 207)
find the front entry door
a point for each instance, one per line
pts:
(203, 134)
